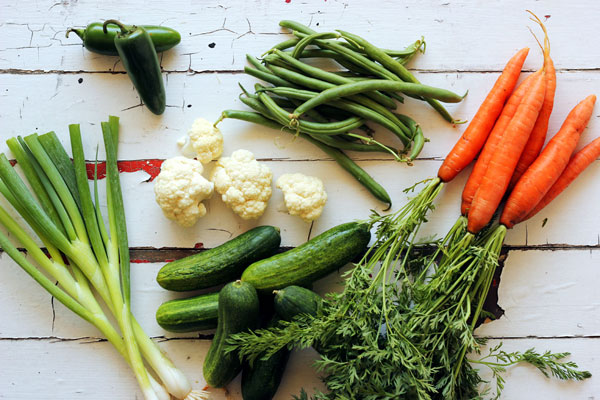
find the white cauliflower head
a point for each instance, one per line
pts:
(244, 183)
(303, 195)
(204, 141)
(180, 188)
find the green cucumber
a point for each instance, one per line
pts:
(261, 380)
(186, 315)
(238, 312)
(294, 300)
(312, 260)
(220, 264)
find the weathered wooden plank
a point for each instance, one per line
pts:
(544, 293)
(85, 369)
(217, 36)
(148, 227)
(30, 103)
(526, 382)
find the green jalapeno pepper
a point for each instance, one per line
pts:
(141, 63)
(95, 40)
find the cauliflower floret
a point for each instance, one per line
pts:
(244, 183)
(180, 188)
(303, 195)
(204, 141)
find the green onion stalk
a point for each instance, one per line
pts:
(85, 255)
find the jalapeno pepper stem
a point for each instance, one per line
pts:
(114, 22)
(78, 32)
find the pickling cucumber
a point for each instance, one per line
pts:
(261, 380)
(192, 314)
(220, 264)
(312, 260)
(294, 300)
(238, 312)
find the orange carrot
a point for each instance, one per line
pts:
(578, 163)
(492, 142)
(473, 138)
(548, 167)
(504, 160)
(538, 134)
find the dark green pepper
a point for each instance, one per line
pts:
(141, 63)
(95, 40)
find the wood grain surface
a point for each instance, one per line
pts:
(548, 295)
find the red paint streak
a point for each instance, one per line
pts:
(547, 16)
(151, 167)
(288, 1)
(139, 261)
(169, 260)
(199, 245)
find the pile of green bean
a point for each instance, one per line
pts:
(331, 108)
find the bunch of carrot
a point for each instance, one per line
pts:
(506, 135)
(513, 126)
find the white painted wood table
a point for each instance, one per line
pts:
(549, 283)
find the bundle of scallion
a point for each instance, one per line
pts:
(59, 208)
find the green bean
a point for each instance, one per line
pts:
(301, 45)
(267, 77)
(364, 62)
(397, 68)
(257, 64)
(418, 137)
(409, 51)
(346, 105)
(281, 102)
(379, 55)
(355, 78)
(254, 103)
(337, 92)
(401, 130)
(285, 103)
(302, 31)
(343, 160)
(331, 128)
(332, 141)
(357, 172)
(320, 53)
(341, 144)
(418, 143)
(315, 115)
(331, 77)
(299, 79)
(350, 89)
(408, 121)
(286, 44)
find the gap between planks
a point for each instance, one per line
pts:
(93, 339)
(140, 255)
(17, 71)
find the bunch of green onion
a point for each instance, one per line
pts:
(83, 253)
